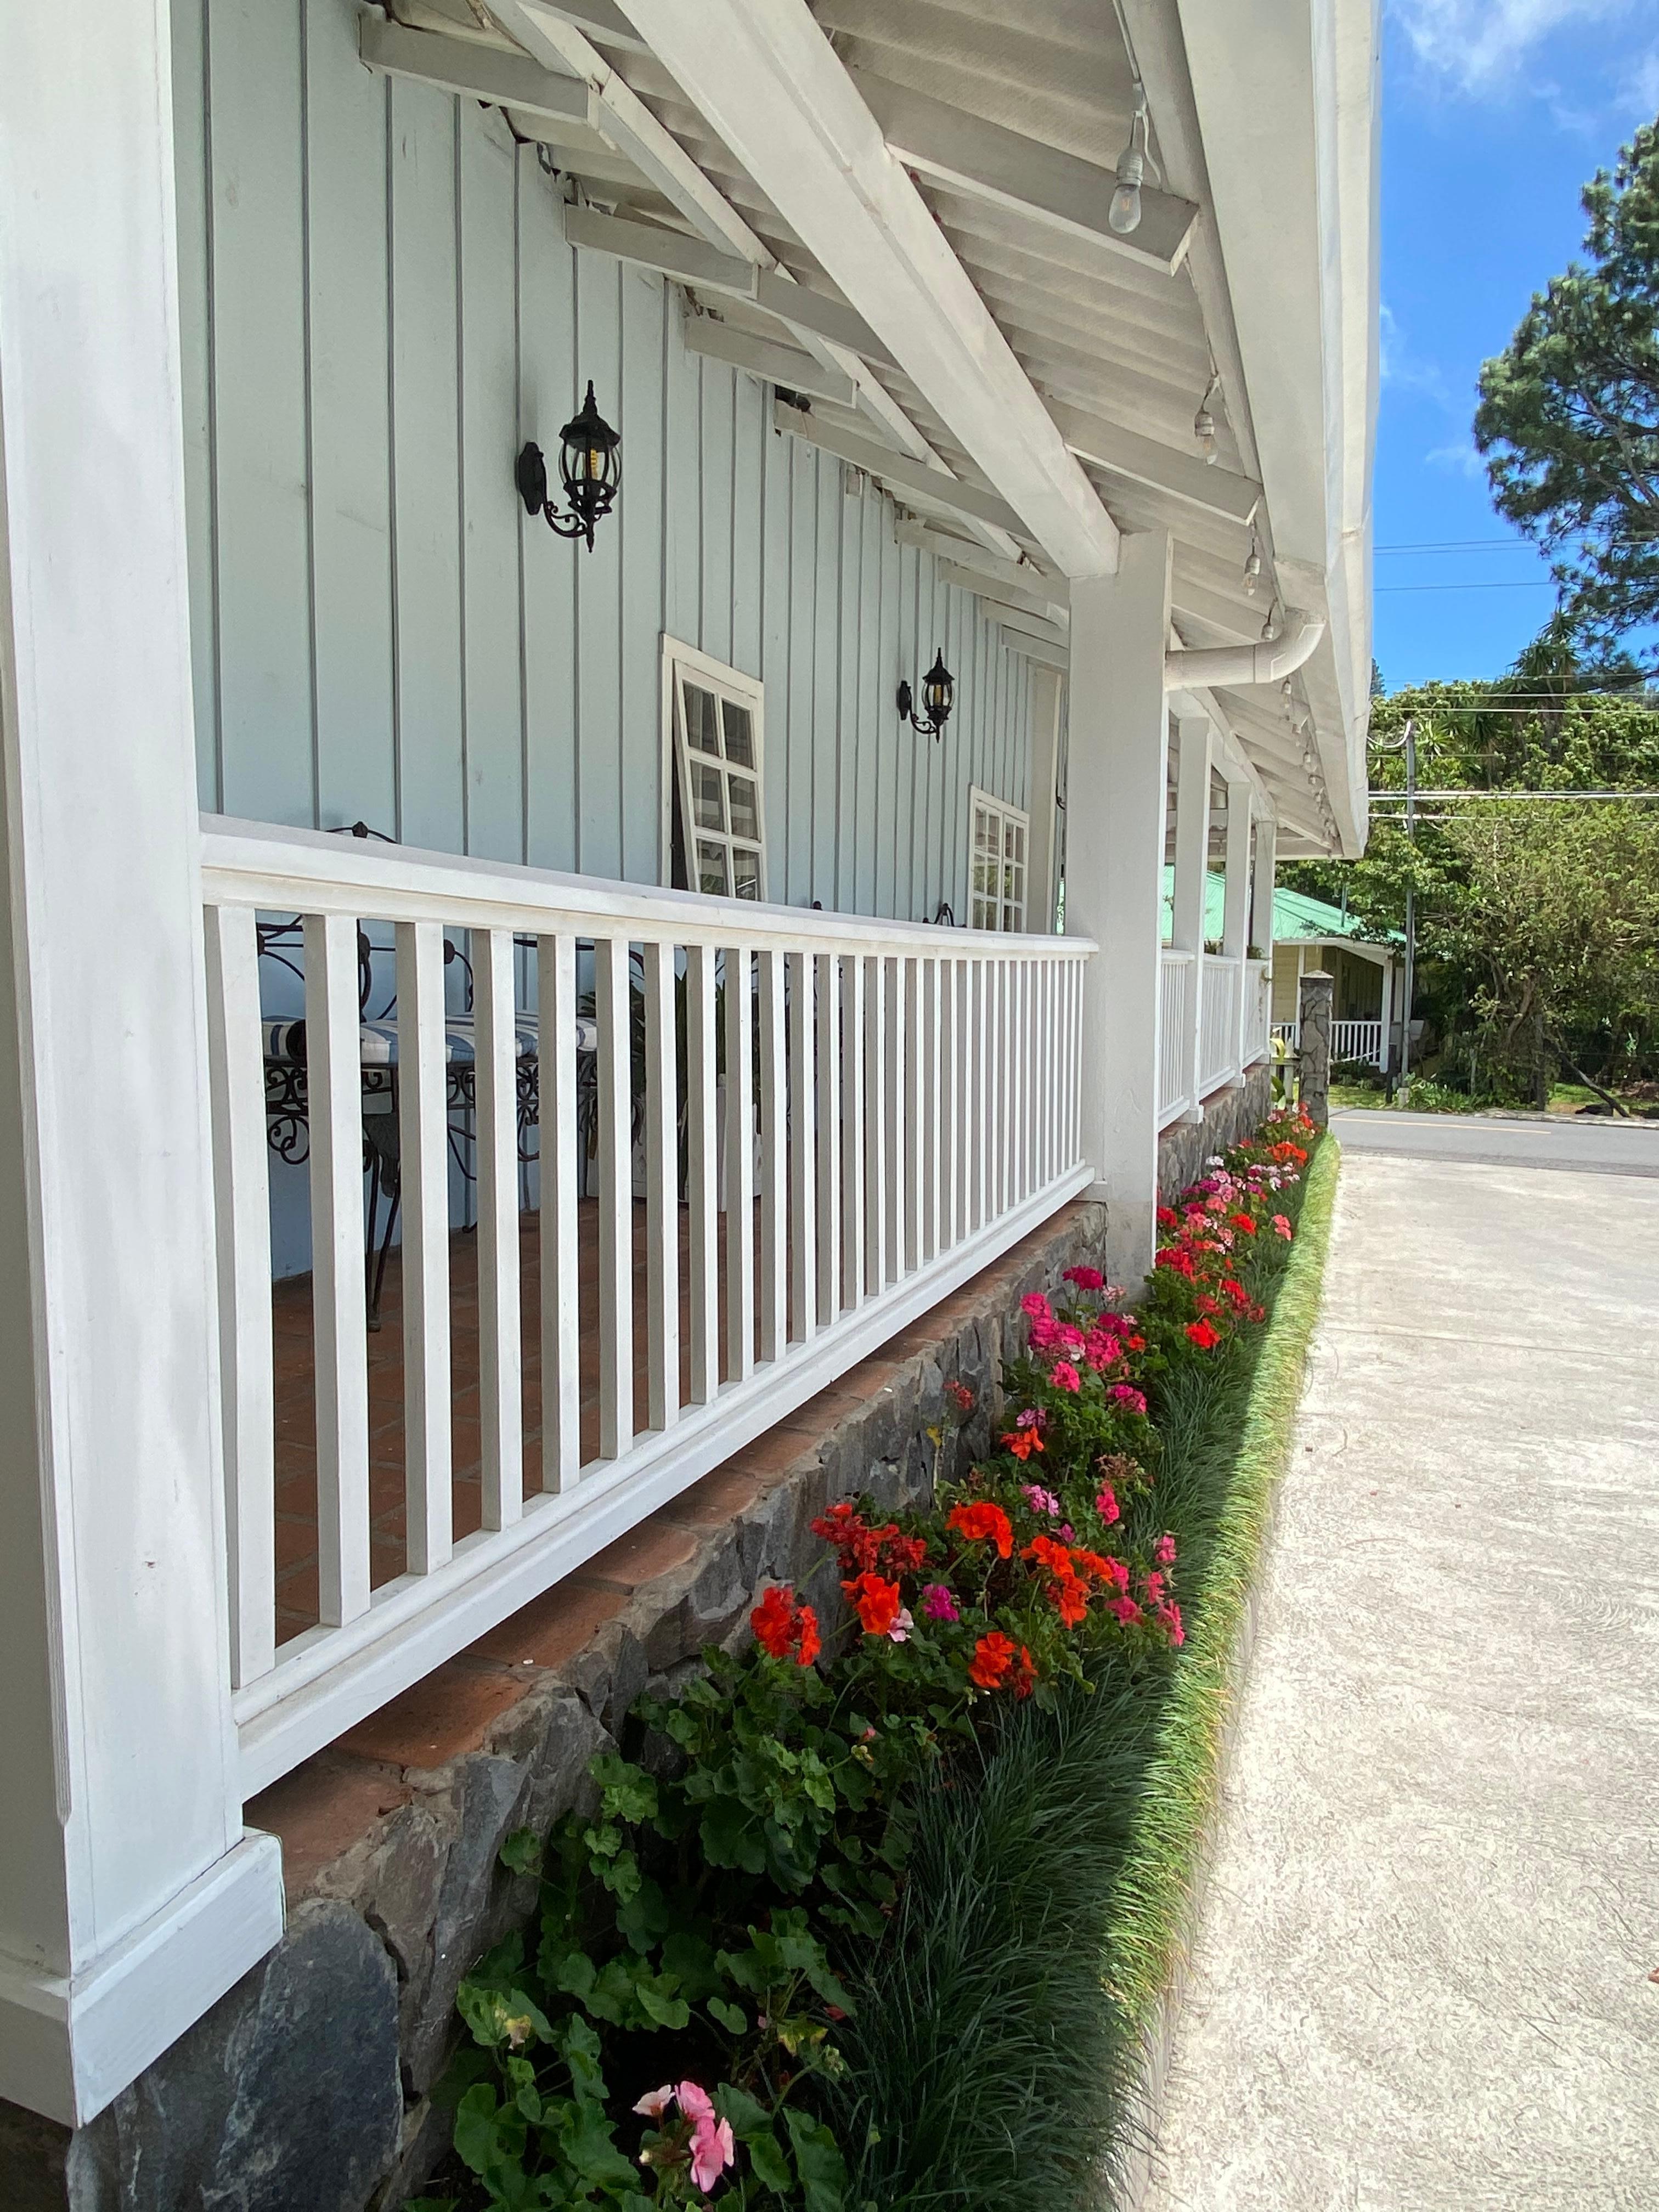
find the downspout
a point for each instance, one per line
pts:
(1232, 665)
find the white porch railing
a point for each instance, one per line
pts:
(1258, 1010)
(1350, 1040)
(1177, 980)
(900, 1105)
(1217, 1014)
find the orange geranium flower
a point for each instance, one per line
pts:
(785, 1629)
(983, 1523)
(993, 1655)
(1022, 1441)
(876, 1602)
(1024, 1674)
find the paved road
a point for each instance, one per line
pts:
(1588, 1142)
(1422, 1981)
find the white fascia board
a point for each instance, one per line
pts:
(895, 469)
(1019, 623)
(1284, 93)
(1039, 183)
(1147, 461)
(468, 66)
(775, 92)
(1057, 657)
(767, 358)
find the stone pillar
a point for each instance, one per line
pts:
(1314, 1035)
(1117, 762)
(130, 1897)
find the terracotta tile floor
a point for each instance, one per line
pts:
(295, 1398)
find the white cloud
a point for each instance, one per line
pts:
(1644, 88)
(1480, 44)
(1460, 459)
(1400, 367)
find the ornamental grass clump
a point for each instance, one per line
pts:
(727, 2000)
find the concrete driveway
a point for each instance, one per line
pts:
(1423, 1980)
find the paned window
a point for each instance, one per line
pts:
(999, 834)
(717, 833)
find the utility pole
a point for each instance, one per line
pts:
(1411, 907)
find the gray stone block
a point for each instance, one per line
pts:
(284, 2098)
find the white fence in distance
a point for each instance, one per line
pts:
(901, 1103)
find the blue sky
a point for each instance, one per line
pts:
(1495, 112)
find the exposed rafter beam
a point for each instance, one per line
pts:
(694, 261)
(466, 65)
(1025, 572)
(775, 92)
(600, 19)
(1034, 648)
(897, 471)
(1039, 183)
(1147, 461)
(1019, 623)
(1005, 595)
(778, 364)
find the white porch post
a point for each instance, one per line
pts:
(1192, 861)
(1114, 836)
(130, 1898)
(1236, 912)
(1042, 880)
(1262, 892)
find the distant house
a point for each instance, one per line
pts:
(1368, 1001)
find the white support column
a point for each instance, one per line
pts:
(1115, 815)
(1262, 886)
(1043, 881)
(1236, 912)
(130, 1897)
(1192, 862)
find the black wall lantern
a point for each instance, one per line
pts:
(590, 464)
(939, 689)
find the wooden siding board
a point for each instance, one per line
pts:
(426, 465)
(777, 482)
(716, 451)
(598, 591)
(642, 760)
(259, 356)
(488, 505)
(824, 736)
(798, 701)
(346, 122)
(547, 344)
(753, 402)
(189, 31)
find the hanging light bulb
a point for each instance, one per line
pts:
(1270, 631)
(1204, 423)
(1253, 567)
(1123, 216)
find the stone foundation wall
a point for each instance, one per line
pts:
(307, 2087)
(1229, 1115)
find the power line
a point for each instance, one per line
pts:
(1510, 791)
(1512, 584)
(1461, 545)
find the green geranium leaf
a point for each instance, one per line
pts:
(730, 1837)
(732, 2018)
(748, 2116)
(821, 2166)
(667, 2011)
(630, 1793)
(588, 2146)
(522, 1851)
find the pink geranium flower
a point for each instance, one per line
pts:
(1126, 1394)
(938, 1604)
(1066, 1377)
(900, 1631)
(695, 2101)
(1036, 1305)
(655, 2102)
(1280, 1227)
(1106, 1504)
(711, 2150)
(1086, 1279)
(1041, 1500)
(1164, 1551)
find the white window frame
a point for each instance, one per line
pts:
(679, 661)
(1006, 815)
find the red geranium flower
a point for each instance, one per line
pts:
(1202, 1333)
(1022, 1441)
(993, 1655)
(878, 1604)
(785, 1629)
(1242, 1221)
(1024, 1675)
(982, 1523)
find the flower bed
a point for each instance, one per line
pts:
(677, 2034)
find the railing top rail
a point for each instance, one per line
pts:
(316, 871)
(1176, 955)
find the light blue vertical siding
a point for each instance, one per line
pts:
(378, 307)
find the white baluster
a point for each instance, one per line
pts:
(501, 1379)
(829, 1138)
(423, 1199)
(612, 994)
(774, 1163)
(853, 1195)
(339, 1322)
(662, 1183)
(875, 1127)
(555, 970)
(739, 1165)
(803, 1148)
(701, 1192)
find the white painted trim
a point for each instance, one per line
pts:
(771, 85)
(1027, 599)
(1186, 476)
(467, 66)
(1027, 572)
(414, 1624)
(769, 359)
(67, 2046)
(891, 468)
(1003, 811)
